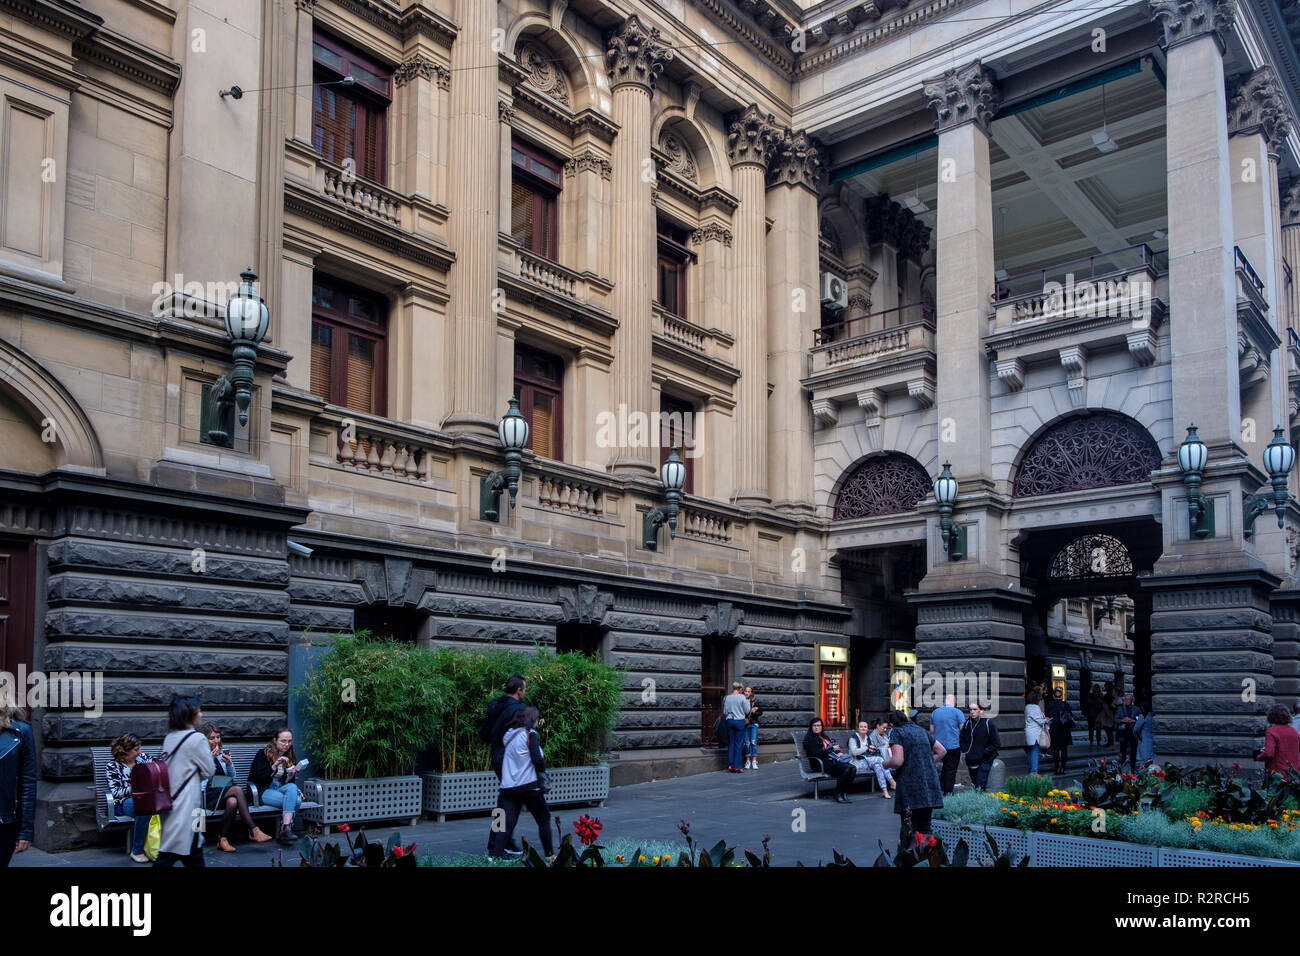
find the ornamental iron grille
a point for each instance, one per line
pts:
(1092, 556)
(1090, 451)
(882, 485)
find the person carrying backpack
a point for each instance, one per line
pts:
(189, 762)
(492, 728)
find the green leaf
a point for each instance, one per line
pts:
(532, 857)
(705, 861)
(752, 859)
(961, 854)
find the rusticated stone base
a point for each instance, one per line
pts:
(1285, 605)
(1212, 663)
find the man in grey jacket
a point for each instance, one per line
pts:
(735, 708)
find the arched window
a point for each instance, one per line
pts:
(1097, 450)
(886, 484)
(1091, 556)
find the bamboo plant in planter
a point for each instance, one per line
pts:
(371, 707)
(578, 698)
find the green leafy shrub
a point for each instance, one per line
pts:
(971, 807)
(371, 707)
(1182, 802)
(578, 697)
(1029, 786)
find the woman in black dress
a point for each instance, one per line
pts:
(914, 751)
(1062, 720)
(822, 753)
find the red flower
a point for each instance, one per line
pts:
(1103, 760)
(931, 842)
(398, 853)
(344, 828)
(587, 828)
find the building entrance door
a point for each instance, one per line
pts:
(16, 606)
(713, 685)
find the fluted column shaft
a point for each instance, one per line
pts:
(471, 353)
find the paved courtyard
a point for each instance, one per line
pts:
(738, 808)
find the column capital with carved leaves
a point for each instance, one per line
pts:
(1184, 20)
(966, 94)
(635, 54)
(750, 137)
(1258, 104)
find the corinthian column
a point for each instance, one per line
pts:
(471, 352)
(750, 137)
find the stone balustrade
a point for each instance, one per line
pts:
(369, 199)
(387, 455)
(558, 492)
(542, 272)
(704, 525)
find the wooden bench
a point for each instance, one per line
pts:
(241, 755)
(817, 776)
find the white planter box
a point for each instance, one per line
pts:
(361, 801)
(446, 793)
(1055, 849)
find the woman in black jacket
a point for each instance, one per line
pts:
(17, 783)
(273, 772)
(820, 750)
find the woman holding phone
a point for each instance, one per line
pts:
(273, 773)
(222, 791)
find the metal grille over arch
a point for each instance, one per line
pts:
(1092, 557)
(885, 484)
(1097, 450)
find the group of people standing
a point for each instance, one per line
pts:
(741, 713)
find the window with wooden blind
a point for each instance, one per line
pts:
(539, 379)
(674, 257)
(348, 332)
(535, 183)
(348, 122)
(677, 429)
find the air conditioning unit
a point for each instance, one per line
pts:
(835, 292)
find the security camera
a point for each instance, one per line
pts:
(301, 550)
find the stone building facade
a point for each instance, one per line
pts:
(816, 244)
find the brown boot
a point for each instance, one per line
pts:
(257, 836)
(224, 844)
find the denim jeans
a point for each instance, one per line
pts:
(979, 774)
(751, 740)
(1032, 753)
(141, 826)
(875, 765)
(736, 742)
(282, 795)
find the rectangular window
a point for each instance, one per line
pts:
(539, 381)
(674, 258)
(348, 332)
(677, 428)
(348, 122)
(534, 200)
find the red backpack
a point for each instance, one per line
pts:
(151, 787)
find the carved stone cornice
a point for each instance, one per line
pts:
(967, 94)
(589, 161)
(797, 159)
(711, 232)
(750, 137)
(423, 68)
(888, 222)
(1289, 199)
(1257, 104)
(505, 112)
(635, 55)
(1185, 20)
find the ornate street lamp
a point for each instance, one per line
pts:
(513, 432)
(1279, 458)
(1192, 456)
(952, 536)
(673, 475)
(246, 322)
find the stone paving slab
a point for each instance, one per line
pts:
(738, 808)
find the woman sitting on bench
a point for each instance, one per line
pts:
(222, 791)
(821, 750)
(273, 773)
(126, 754)
(869, 751)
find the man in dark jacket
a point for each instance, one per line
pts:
(1126, 715)
(980, 745)
(492, 731)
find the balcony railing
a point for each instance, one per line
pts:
(370, 199)
(1100, 266)
(1245, 272)
(1117, 284)
(679, 330)
(373, 450)
(695, 522)
(875, 322)
(549, 275)
(559, 492)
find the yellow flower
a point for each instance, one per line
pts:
(656, 861)
(667, 857)
(1053, 819)
(640, 859)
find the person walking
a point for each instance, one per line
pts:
(751, 730)
(735, 708)
(1126, 715)
(1035, 723)
(913, 752)
(189, 761)
(522, 769)
(979, 744)
(117, 775)
(945, 725)
(1281, 753)
(17, 782)
(224, 793)
(1091, 712)
(826, 755)
(1106, 717)
(1062, 718)
(274, 772)
(497, 718)
(1144, 731)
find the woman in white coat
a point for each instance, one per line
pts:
(189, 762)
(1035, 723)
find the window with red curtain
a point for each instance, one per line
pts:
(674, 258)
(348, 332)
(677, 428)
(539, 379)
(535, 182)
(348, 122)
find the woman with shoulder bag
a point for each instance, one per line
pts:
(189, 760)
(221, 791)
(1036, 732)
(126, 754)
(826, 755)
(523, 775)
(1062, 718)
